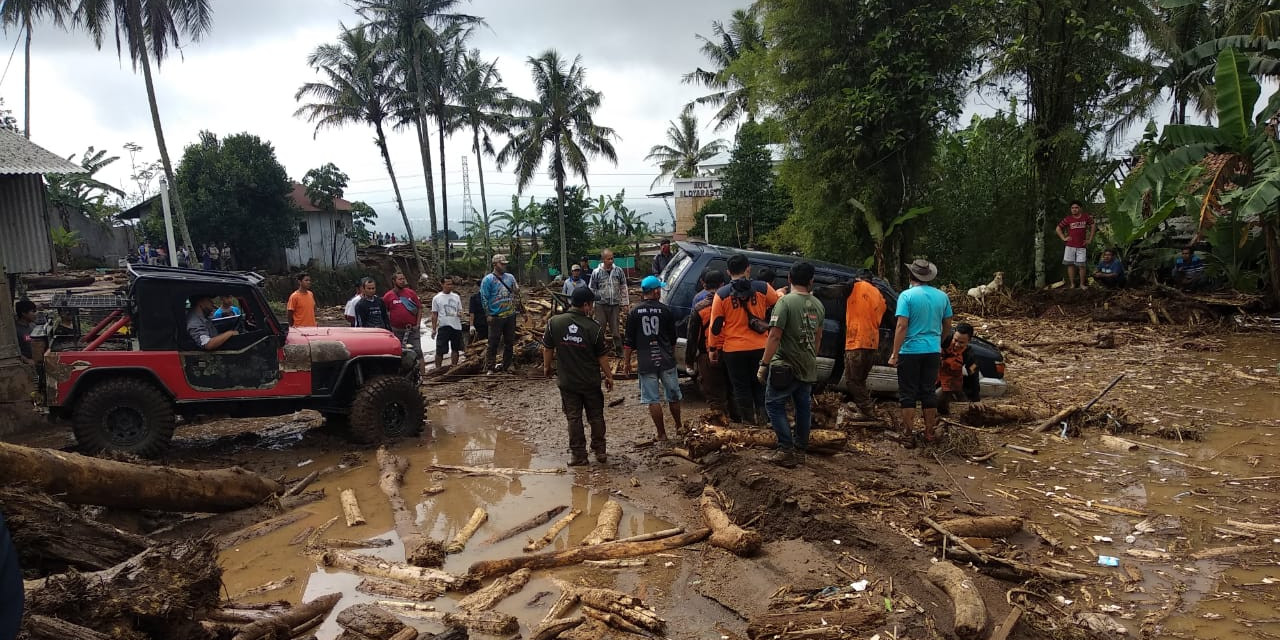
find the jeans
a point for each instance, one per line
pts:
(575, 402)
(857, 366)
(501, 330)
(10, 585)
(748, 393)
(790, 438)
(607, 316)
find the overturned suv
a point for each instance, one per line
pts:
(121, 368)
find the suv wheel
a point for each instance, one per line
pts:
(386, 407)
(124, 415)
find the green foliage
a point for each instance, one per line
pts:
(517, 223)
(576, 206)
(862, 116)
(684, 151)
(737, 52)
(82, 192)
(752, 197)
(63, 242)
(236, 191)
(331, 287)
(325, 184)
(362, 218)
(880, 233)
(7, 121)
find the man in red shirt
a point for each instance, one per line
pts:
(405, 310)
(1076, 230)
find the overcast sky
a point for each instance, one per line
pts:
(243, 76)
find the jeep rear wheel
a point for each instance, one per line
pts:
(386, 407)
(124, 415)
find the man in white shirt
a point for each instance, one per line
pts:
(349, 311)
(446, 322)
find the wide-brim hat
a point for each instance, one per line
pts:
(923, 270)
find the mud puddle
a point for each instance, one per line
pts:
(1078, 488)
(459, 435)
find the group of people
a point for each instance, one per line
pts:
(399, 310)
(385, 238)
(211, 257)
(1077, 231)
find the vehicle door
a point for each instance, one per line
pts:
(248, 361)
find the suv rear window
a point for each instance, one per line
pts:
(674, 272)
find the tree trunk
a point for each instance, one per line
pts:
(970, 610)
(489, 597)
(179, 217)
(40, 627)
(574, 555)
(53, 537)
(432, 580)
(484, 204)
(419, 549)
(558, 159)
(1273, 259)
(444, 195)
(381, 141)
(1039, 240)
(80, 479)
(709, 438)
(26, 96)
(978, 527)
(724, 533)
(288, 620)
(424, 145)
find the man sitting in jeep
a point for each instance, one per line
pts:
(200, 325)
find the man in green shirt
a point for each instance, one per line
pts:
(790, 364)
(578, 343)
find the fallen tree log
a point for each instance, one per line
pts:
(1118, 444)
(978, 527)
(429, 580)
(459, 542)
(51, 537)
(551, 629)
(494, 623)
(994, 414)
(419, 549)
(538, 520)
(489, 596)
(554, 531)
(606, 524)
(81, 479)
(970, 610)
(369, 621)
(574, 555)
(652, 535)
(260, 529)
(709, 438)
(350, 508)
(1019, 350)
(1253, 526)
(221, 524)
(1021, 570)
(491, 471)
(1223, 552)
(395, 589)
(294, 617)
(49, 628)
(343, 543)
(629, 608)
(840, 623)
(1065, 414)
(724, 533)
(305, 482)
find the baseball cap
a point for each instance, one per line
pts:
(581, 296)
(652, 282)
(576, 267)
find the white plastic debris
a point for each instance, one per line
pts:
(860, 585)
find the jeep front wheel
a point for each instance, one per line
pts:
(386, 407)
(124, 415)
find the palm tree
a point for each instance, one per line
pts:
(636, 228)
(730, 48)
(406, 27)
(561, 117)
(682, 154)
(442, 68)
(149, 28)
(24, 13)
(356, 89)
(513, 223)
(483, 104)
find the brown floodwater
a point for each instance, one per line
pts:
(459, 435)
(1240, 420)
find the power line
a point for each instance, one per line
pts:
(15, 50)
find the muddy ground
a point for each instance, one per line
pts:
(1204, 403)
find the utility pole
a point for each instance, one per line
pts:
(16, 411)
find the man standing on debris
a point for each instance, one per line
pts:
(575, 280)
(446, 322)
(651, 334)
(663, 258)
(1076, 230)
(789, 367)
(609, 284)
(479, 317)
(738, 328)
(371, 311)
(498, 294)
(349, 309)
(711, 378)
(924, 315)
(863, 310)
(302, 304)
(405, 310)
(577, 342)
(11, 597)
(958, 377)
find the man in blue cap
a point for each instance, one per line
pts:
(651, 334)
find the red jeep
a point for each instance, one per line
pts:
(122, 367)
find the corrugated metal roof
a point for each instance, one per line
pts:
(25, 246)
(21, 156)
(300, 199)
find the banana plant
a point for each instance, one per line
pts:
(880, 233)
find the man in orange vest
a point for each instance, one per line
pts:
(863, 311)
(739, 324)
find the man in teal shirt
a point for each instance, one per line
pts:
(924, 316)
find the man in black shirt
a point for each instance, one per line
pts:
(651, 334)
(479, 317)
(371, 311)
(578, 343)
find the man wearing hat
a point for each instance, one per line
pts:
(498, 296)
(577, 342)
(651, 333)
(574, 280)
(924, 316)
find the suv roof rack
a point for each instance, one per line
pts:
(67, 300)
(178, 273)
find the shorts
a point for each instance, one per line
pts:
(1075, 256)
(654, 385)
(917, 374)
(447, 337)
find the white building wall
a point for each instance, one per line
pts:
(318, 242)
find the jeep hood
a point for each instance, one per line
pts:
(326, 344)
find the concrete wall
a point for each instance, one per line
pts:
(686, 209)
(98, 240)
(318, 242)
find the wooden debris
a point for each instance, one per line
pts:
(551, 629)
(1251, 526)
(40, 627)
(78, 479)
(340, 543)
(617, 564)
(260, 529)
(221, 524)
(724, 533)
(63, 538)
(491, 471)
(301, 536)
(350, 508)
(816, 625)
(478, 517)
(652, 535)
(709, 438)
(1021, 569)
(619, 610)
(302, 484)
(300, 614)
(1058, 418)
(274, 585)
(1119, 444)
(956, 540)
(970, 612)
(606, 524)
(1222, 552)
(395, 589)
(496, 591)
(1049, 539)
(1148, 554)
(432, 580)
(493, 623)
(1019, 350)
(1007, 625)
(979, 527)
(369, 621)
(575, 555)
(419, 549)
(554, 531)
(1021, 449)
(536, 521)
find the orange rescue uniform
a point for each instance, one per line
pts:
(730, 330)
(862, 314)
